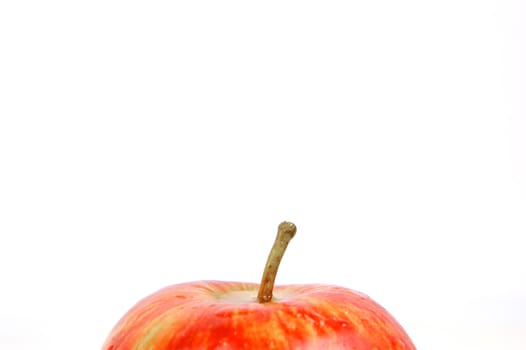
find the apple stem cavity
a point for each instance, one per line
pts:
(286, 230)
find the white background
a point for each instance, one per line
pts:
(150, 143)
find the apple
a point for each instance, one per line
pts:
(237, 315)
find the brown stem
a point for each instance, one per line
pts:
(286, 231)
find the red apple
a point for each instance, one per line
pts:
(235, 315)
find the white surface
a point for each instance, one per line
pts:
(144, 144)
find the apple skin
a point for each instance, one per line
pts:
(226, 315)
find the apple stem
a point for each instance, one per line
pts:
(286, 231)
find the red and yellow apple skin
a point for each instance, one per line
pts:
(226, 315)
